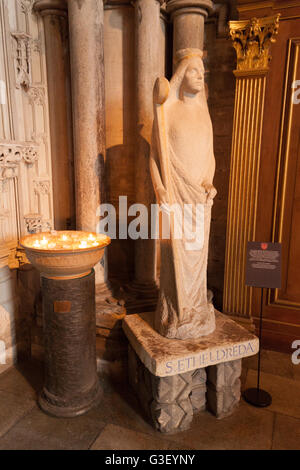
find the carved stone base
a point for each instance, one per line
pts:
(198, 395)
(174, 379)
(170, 402)
(165, 400)
(224, 388)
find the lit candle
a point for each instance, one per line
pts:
(83, 244)
(44, 241)
(67, 241)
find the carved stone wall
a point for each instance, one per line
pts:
(25, 160)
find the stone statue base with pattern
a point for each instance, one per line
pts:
(174, 379)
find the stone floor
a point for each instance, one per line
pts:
(117, 423)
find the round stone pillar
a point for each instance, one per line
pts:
(87, 74)
(150, 64)
(54, 14)
(188, 17)
(86, 19)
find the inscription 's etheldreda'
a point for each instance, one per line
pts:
(205, 359)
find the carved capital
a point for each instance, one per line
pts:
(35, 223)
(51, 7)
(11, 155)
(201, 7)
(252, 41)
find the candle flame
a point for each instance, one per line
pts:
(66, 240)
(44, 241)
(83, 244)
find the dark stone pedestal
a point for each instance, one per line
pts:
(71, 381)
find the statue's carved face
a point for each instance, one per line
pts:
(193, 81)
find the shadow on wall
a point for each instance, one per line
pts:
(120, 92)
(118, 173)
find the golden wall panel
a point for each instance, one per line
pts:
(252, 41)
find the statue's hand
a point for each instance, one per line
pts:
(210, 190)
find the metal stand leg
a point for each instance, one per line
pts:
(256, 396)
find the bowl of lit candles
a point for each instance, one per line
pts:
(64, 254)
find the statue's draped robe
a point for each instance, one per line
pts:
(183, 310)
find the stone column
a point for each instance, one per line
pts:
(252, 40)
(188, 17)
(87, 73)
(54, 13)
(150, 64)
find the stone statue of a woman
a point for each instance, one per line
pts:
(182, 168)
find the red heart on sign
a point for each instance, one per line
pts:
(264, 246)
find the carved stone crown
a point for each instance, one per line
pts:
(187, 54)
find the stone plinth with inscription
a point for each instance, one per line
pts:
(174, 379)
